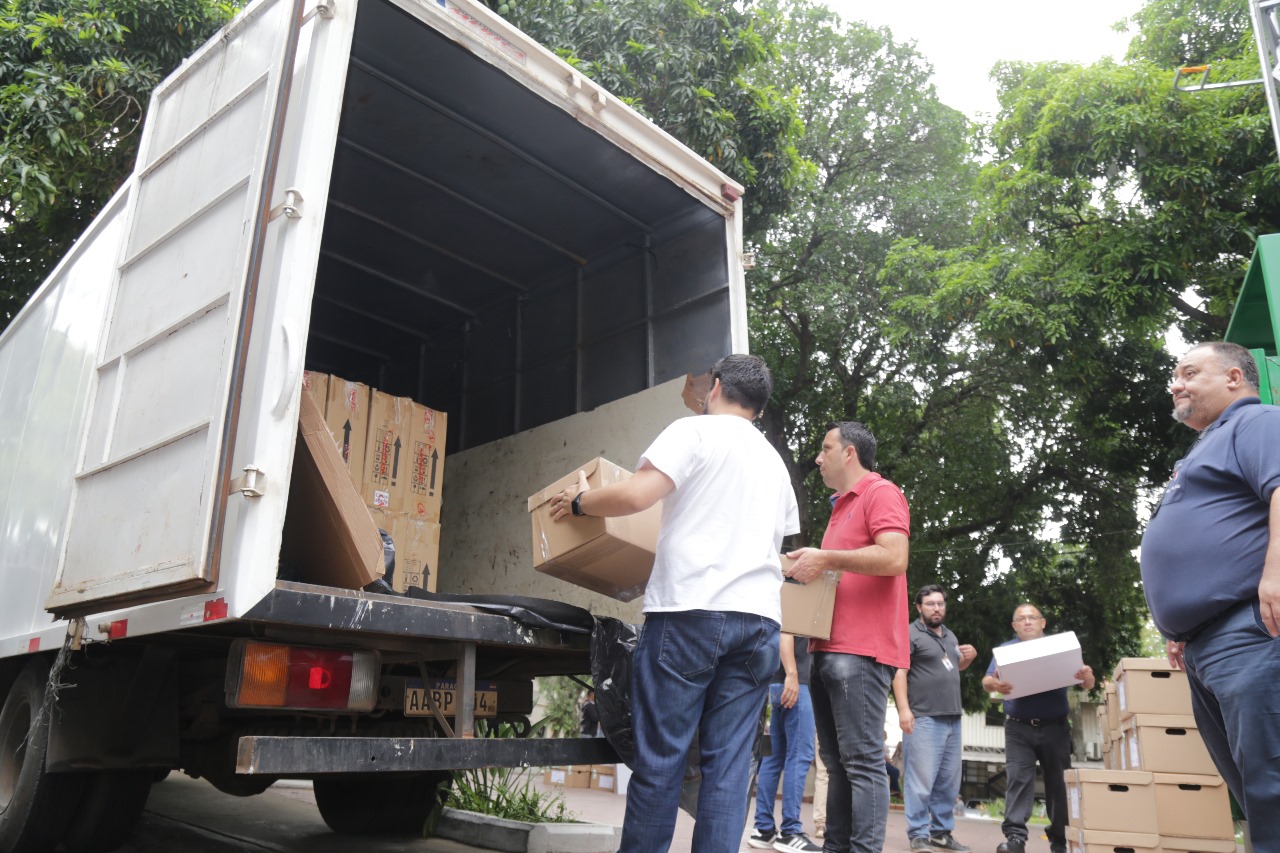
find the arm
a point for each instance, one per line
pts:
(906, 719)
(1269, 587)
(644, 489)
(993, 684)
(886, 558)
(967, 656)
(791, 686)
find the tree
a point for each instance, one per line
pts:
(687, 66)
(1110, 209)
(75, 78)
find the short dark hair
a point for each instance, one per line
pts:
(1027, 604)
(856, 434)
(927, 590)
(1233, 355)
(745, 380)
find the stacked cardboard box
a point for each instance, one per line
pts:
(568, 777)
(393, 448)
(1160, 791)
(604, 777)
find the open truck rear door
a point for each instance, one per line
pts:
(151, 486)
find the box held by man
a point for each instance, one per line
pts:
(1034, 666)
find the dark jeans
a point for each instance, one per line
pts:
(1023, 745)
(850, 694)
(1233, 666)
(705, 673)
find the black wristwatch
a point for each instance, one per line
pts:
(577, 504)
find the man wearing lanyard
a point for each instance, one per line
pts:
(928, 699)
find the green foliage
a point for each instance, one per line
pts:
(690, 68)
(562, 698)
(75, 77)
(507, 792)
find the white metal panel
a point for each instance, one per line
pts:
(273, 384)
(47, 357)
(149, 487)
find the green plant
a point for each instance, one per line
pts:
(506, 792)
(563, 699)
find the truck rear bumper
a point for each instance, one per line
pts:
(305, 756)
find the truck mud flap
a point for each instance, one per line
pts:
(308, 756)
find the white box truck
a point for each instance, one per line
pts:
(406, 193)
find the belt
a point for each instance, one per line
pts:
(1037, 722)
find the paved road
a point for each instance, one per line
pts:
(190, 815)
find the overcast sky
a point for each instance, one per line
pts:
(964, 39)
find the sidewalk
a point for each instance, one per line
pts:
(980, 834)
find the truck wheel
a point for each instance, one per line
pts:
(109, 811)
(33, 802)
(397, 804)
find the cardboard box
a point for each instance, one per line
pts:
(556, 776)
(1165, 744)
(417, 552)
(427, 432)
(1120, 800)
(603, 780)
(329, 537)
(1034, 666)
(386, 451)
(347, 414)
(1106, 841)
(1172, 844)
(1111, 701)
(612, 556)
(807, 608)
(317, 385)
(1192, 806)
(578, 777)
(1151, 686)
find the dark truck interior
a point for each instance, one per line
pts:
(490, 256)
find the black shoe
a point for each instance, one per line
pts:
(1013, 845)
(762, 839)
(945, 841)
(921, 845)
(798, 843)
(1057, 848)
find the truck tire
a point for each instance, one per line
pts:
(109, 810)
(395, 804)
(33, 802)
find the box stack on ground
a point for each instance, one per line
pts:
(393, 448)
(1160, 791)
(568, 777)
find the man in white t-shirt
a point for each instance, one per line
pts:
(709, 645)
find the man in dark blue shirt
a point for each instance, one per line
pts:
(1035, 728)
(1211, 573)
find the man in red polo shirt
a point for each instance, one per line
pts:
(866, 540)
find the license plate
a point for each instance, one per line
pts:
(445, 694)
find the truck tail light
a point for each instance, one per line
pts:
(272, 675)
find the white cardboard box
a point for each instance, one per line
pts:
(1034, 666)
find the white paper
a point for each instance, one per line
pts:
(1034, 666)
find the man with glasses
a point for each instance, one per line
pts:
(1211, 572)
(928, 699)
(1035, 728)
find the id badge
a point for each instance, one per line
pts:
(946, 663)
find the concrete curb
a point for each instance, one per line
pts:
(514, 836)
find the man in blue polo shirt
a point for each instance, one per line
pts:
(1035, 728)
(1211, 573)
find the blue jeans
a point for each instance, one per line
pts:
(791, 734)
(850, 694)
(931, 775)
(1233, 666)
(700, 673)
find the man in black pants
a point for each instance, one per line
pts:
(1035, 727)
